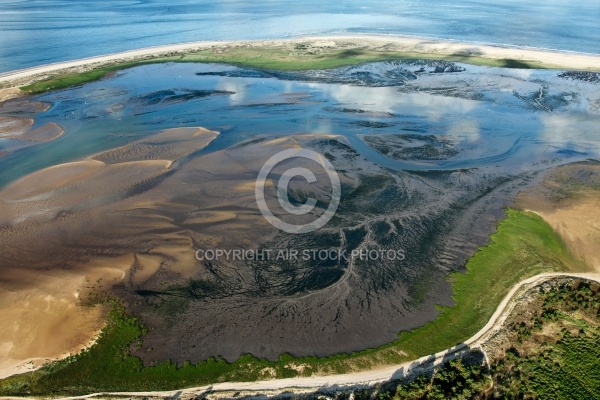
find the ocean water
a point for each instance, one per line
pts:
(36, 32)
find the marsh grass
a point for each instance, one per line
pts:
(274, 58)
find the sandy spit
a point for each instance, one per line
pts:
(558, 59)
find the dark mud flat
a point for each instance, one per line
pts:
(392, 73)
(410, 146)
(321, 308)
(428, 155)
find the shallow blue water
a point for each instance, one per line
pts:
(35, 32)
(492, 127)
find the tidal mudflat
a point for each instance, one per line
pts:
(160, 160)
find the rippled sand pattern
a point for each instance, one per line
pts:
(45, 133)
(21, 105)
(17, 117)
(14, 127)
(170, 145)
(58, 225)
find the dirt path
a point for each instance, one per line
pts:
(365, 378)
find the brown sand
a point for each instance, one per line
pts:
(47, 319)
(14, 127)
(47, 221)
(16, 119)
(569, 200)
(11, 104)
(132, 205)
(578, 223)
(45, 133)
(19, 128)
(9, 93)
(182, 142)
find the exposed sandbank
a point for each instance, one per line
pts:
(44, 296)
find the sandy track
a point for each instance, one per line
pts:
(365, 378)
(560, 59)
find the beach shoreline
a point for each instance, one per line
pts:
(384, 44)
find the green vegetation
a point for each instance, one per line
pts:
(283, 59)
(277, 58)
(454, 380)
(554, 355)
(73, 79)
(108, 366)
(523, 246)
(68, 80)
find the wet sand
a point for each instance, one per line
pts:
(17, 119)
(48, 278)
(133, 204)
(45, 133)
(14, 127)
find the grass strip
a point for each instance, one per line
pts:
(274, 58)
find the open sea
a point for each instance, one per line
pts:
(37, 32)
